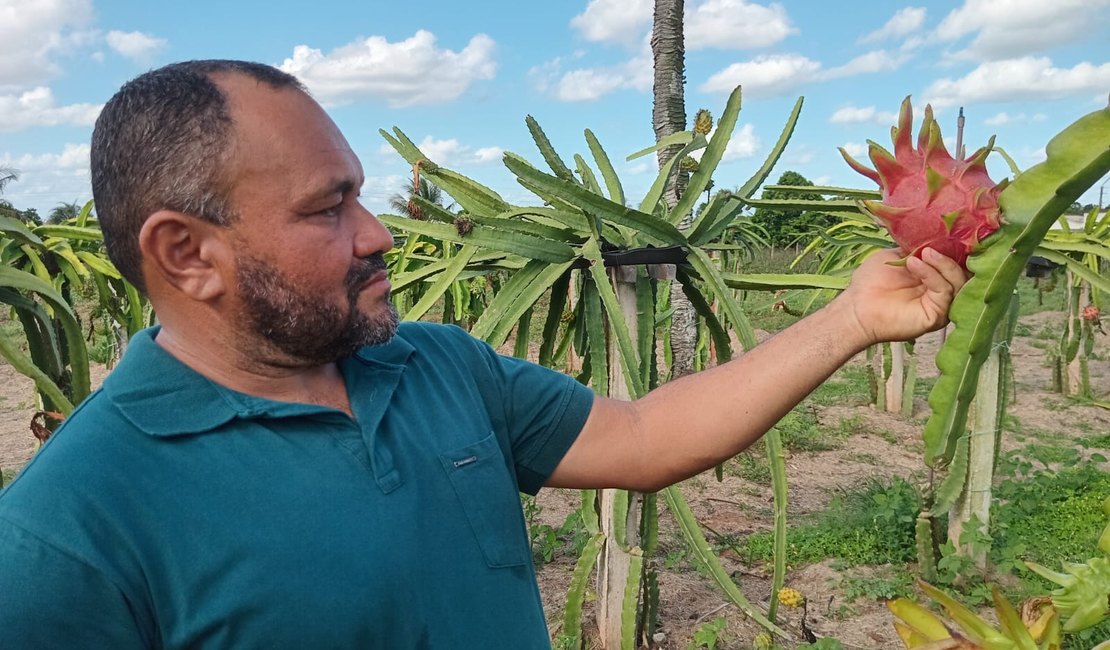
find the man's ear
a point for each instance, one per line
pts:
(187, 253)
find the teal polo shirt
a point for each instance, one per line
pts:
(171, 512)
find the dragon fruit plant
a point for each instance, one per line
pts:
(929, 198)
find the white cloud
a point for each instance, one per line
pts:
(779, 74)
(766, 75)
(34, 32)
(451, 152)
(1019, 79)
(48, 179)
(735, 24)
(72, 157)
(621, 21)
(726, 24)
(1016, 27)
(904, 22)
(443, 152)
(488, 154)
(855, 149)
(406, 73)
(588, 84)
(1004, 118)
(36, 107)
(376, 190)
(136, 46)
(743, 144)
(865, 115)
(871, 62)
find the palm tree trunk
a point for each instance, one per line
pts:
(669, 116)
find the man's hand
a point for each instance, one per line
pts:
(898, 303)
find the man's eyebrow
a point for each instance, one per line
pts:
(337, 186)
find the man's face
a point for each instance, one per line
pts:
(298, 324)
(309, 276)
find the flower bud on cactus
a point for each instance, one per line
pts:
(703, 122)
(929, 198)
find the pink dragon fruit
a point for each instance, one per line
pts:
(931, 199)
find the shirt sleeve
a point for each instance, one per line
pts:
(544, 411)
(49, 599)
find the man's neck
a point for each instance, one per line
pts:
(240, 368)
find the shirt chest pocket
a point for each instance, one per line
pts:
(490, 501)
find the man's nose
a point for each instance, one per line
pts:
(372, 237)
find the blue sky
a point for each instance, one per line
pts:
(460, 77)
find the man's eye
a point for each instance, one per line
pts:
(331, 212)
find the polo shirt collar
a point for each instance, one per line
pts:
(164, 397)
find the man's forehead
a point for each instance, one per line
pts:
(283, 136)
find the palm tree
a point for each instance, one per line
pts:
(7, 175)
(404, 204)
(63, 212)
(668, 48)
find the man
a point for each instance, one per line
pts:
(279, 464)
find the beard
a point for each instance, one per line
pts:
(304, 327)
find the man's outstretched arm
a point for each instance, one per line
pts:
(692, 424)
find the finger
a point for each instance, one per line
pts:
(930, 276)
(952, 272)
(886, 255)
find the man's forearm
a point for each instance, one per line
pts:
(694, 423)
(698, 421)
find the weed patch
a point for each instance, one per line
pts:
(872, 525)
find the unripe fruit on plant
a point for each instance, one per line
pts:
(703, 122)
(929, 198)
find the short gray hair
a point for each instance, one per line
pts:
(161, 143)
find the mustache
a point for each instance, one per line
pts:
(363, 270)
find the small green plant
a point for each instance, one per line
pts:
(887, 584)
(751, 467)
(853, 426)
(709, 635)
(801, 431)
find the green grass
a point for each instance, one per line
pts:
(1095, 442)
(1040, 295)
(870, 525)
(751, 465)
(848, 387)
(887, 583)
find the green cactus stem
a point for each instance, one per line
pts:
(1077, 158)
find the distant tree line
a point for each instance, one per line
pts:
(788, 227)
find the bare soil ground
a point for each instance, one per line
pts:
(881, 446)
